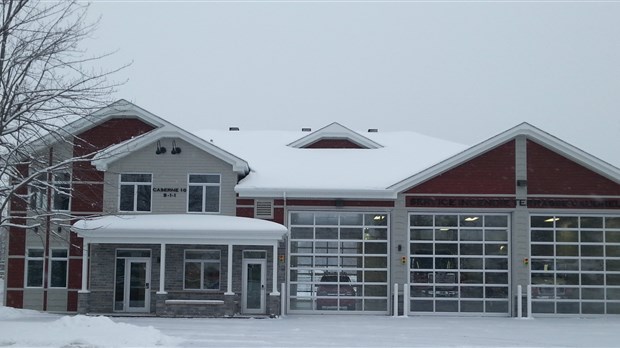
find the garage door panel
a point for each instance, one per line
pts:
(457, 261)
(339, 262)
(578, 271)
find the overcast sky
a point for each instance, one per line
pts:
(457, 70)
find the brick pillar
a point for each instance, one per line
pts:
(160, 304)
(273, 305)
(231, 305)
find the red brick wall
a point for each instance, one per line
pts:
(492, 172)
(334, 144)
(87, 197)
(551, 173)
(101, 136)
(15, 298)
(16, 268)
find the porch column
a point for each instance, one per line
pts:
(162, 269)
(274, 283)
(229, 275)
(85, 252)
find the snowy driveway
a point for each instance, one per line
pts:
(380, 331)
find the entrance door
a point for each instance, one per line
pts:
(254, 284)
(133, 282)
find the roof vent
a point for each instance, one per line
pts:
(373, 130)
(306, 129)
(233, 129)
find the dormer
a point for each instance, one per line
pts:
(335, 136)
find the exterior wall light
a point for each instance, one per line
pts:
(160, 150)
(175, 149)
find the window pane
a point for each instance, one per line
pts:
(204, 179)
(212, 276)
(62, 195)
(35, 273)
(59, 274)
(192, 275)
(135, 177)
(144, 198)
(212, 204)
(126, 201)
(194, 198)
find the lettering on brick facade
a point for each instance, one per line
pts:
(511, 203)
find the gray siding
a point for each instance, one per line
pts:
(520, 223)
(171, 171)
(400, 236)
(33, 299)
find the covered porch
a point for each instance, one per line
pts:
(179, 265)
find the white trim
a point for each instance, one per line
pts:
(254, 192)
(135, 194)
(204, 193)
(118, 109)
(51, 261)
(113, 153)
(532, 133)
(335, 131)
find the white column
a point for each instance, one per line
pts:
(230, 271)
(85, 252)
(162, 269)
(274, 282)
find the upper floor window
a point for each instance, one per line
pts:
(203, 193)
(135, 192)
(61, 191)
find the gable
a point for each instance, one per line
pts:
(492, 172)
(551, 173)
(108, 133)
(335, 136)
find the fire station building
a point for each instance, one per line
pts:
(163, 221)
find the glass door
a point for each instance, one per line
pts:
(254, 284)
(132, 290)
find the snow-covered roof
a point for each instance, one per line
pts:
(278, 169)
(178, 228)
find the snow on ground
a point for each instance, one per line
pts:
(24, 328)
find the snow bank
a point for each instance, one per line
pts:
(25, 328)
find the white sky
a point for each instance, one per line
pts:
(459, 70)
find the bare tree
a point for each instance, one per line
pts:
(46, 81)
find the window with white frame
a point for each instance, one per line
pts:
(203, 193)
(38, 195)
(58, 266)
(202, 270)
(61, 191)
(34, 268)
(135, 192)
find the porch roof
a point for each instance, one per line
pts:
(178, 229)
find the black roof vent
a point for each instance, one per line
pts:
(233, 129)
(306, 129)
(373, 130)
